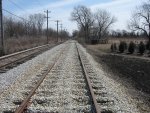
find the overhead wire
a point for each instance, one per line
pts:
(23, 8)
(14, 14)
(39, 3)
(16, 5)
(17, 16)
(9, 12)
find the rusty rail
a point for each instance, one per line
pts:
(26, 101)
(45, 47)
(24, 51)
(97, 109)
(22, 58)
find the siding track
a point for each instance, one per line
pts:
(10, 61)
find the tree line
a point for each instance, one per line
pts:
(125, 34)
(21, 33)
(89, 23)
(97, 24)
(30, 27)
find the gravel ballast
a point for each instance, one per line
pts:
(64, 90)
(123, 103)
(19, 78)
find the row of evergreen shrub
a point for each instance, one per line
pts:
(1, 52)
(131, 47)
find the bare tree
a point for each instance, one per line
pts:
(32, 25)
(8, 27)
(36, 22)
(40, 21)
(141, 19)
(103, 21)
(75, 33)
(83, 16)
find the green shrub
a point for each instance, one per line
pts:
(131, 47)
(122, 46)
(125, 46)
(113, 47)
(148, 45)
(141, 48)
(1, 52)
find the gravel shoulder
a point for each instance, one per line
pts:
(132, 73)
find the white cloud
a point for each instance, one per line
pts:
(121, 9)
(61, 3)
(58, 11)
(50, 6)
(116, 4)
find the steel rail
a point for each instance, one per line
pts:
(41, 48)
(23, 58)
(97, 109)
(24, 51)
(3, 70)
(26, 101)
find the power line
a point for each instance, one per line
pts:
(14, 14)
(1, 22)
(39, 3)
(57, 21)
(16, 5)
(47, 12)
(17, 16)
(24, 9)
(61, 26)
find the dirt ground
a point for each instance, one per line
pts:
(132, 72)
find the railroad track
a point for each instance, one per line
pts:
(10, 61)
(68, 85)
(103, 101)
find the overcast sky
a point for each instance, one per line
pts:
(61, 9)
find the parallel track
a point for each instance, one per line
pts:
(13, 63)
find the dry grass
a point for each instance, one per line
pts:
(106, 47)
(127, 40)
(14, 45)
(101, 47)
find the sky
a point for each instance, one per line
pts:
(61, 10)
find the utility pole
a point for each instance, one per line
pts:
(1, 22)
(57, 28)
(47, 12)
(61, 26)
